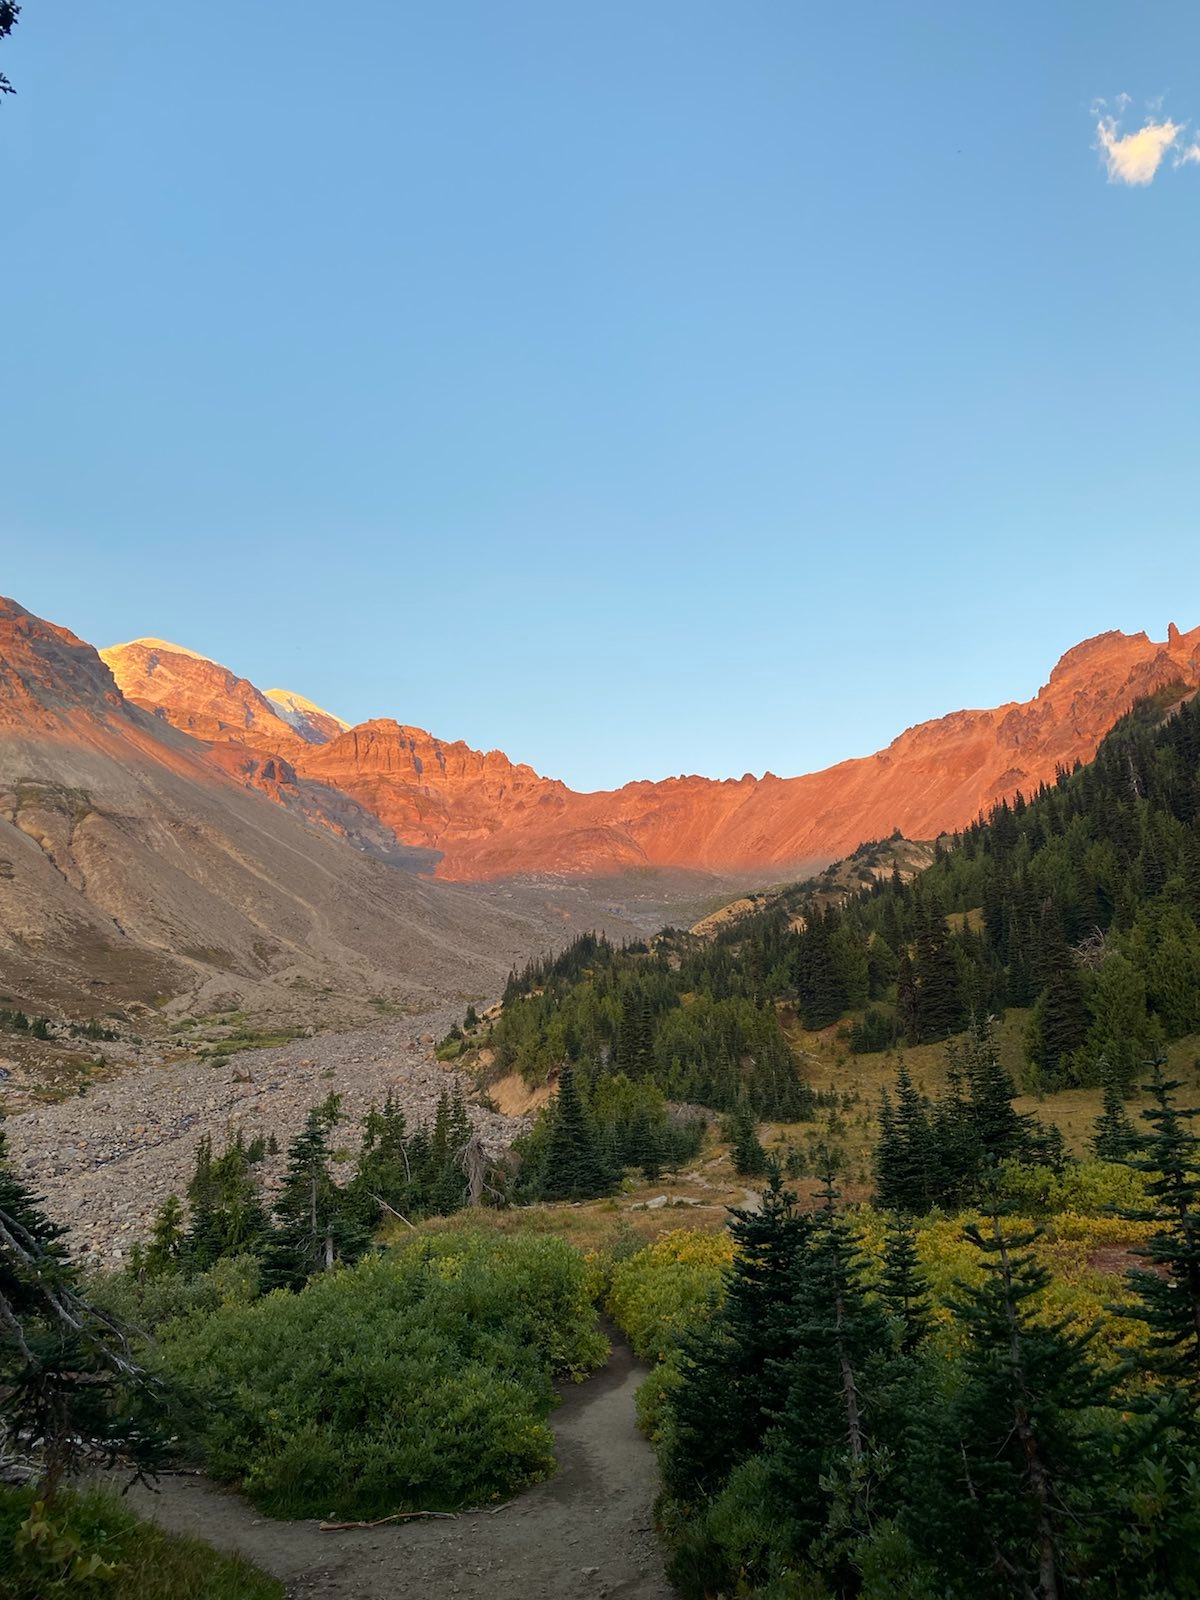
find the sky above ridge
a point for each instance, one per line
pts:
(639, 389)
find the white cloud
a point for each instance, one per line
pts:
(1190, 152)
(1136, 157)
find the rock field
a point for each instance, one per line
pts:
(107, 1159)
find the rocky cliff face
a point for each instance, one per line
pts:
(251, 737)
(491, 818)
(197, 695)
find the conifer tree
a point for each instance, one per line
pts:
(1000, 1131)
(572, 1166)
(748, 1156)
(227, 1214)
(1028, 1460)
(1061, 1019)
(168, 1239)
(905, 1159)
(1113, 1136)
(733, 1374)
(70, 1389)
(935, 974)
(316, 1219)
(835, 1327)
(1168, 1299)
(902, 1286)
(382, 1181)
(907, 1018)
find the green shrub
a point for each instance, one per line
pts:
(150, 1303)
(91, 1547)
(667, 1289)
(1086, 1188)
(420, 1379)
(737, 1545)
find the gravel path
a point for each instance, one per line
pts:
(106, 1160)
(584, 1534)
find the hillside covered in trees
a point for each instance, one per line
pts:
(1080, 903)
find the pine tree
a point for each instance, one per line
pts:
(905, 1159)
(746, 1151)
(69, 1384)
(935, 973)
(572, 1167)
(902, 1286)
(733, 1374)
(227, 1214)
(835, 1328)
(1168, 1299)
(382, 1181)
(1061, 1019)
(317, 1225)
(168, 1239)
(1000, 1131)
(1028, 1461)
(907, 1017)
(1113, 1137)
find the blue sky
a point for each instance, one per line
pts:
(637, 388)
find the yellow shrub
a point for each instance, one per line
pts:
(669, 1288)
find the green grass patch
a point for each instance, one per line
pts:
(248, 1039)
(91, 1545)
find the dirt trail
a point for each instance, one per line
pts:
(585, 1533)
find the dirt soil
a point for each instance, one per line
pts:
(585, 1533)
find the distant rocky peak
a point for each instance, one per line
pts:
(312, 722)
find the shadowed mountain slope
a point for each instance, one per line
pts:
(134, 866)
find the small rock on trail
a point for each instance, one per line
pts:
(585, 1534)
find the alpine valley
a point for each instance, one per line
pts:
(349, 1073)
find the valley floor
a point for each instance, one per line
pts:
(585, 1533)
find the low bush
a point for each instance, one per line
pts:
(665, 1290)
(416, 1380)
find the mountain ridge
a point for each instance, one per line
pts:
(488, 817)
(139, 865)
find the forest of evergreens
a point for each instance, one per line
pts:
(1080, 903)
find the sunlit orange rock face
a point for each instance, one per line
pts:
(196, 695)
(490, 818)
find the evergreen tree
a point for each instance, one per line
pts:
(71, 1392)
(227, 1214)
(939, 1003)
(902, 1286)
(1113, 1137)
(1028, 1459)
(1000, 1131)
(572, 1166)
(168, 1239)
(317, 1225)
(905, 1159)
(733, 1374)
(907, 1017)
(748, 1156)
(383, 1182)
(835, 1328)
(1061, 1020)
(1168, 1299)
